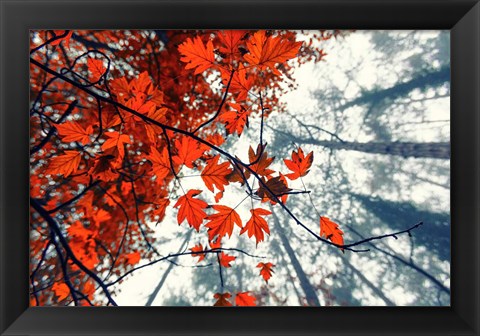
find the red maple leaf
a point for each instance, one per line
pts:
(116, 141)
(226, 259)
(215, 244)
(262, 164)
(77, 230)
(267, 51)
(238, 173)
(222, 300)
(61, 290)
(331, 231)
(266, 270)
(110, 117)
(64, 164)
(197, 55)
(245, 299)
(235, 120)
(101, 216)
(240, 84)
(191, 209)
(256, 225)
(299, 164)
(96, 69)
(222, 223)
(215, 174)
(188, 151)
(66, 38)
(160, 208)
(230, 40)
(218, 196)
(72, 131)
(132, 258)
(103, 168)
(160, 163)
(196, 252)
(275, 187)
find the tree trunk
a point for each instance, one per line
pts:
(421, 82)
(400, 215)
(401, 260)
(154, 294)
(435, 150)
(379, 293)
(308, 289)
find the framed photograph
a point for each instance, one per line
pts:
(314, 161)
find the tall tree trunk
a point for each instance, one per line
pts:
(421, 82)
(308, 289)
(276, 246)
(435, 150)
(405, 262)
(414, 176)
(154, 294)
(400, 215)
(379, 293)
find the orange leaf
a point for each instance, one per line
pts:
(236, 174)
(191, 209)
(132, 258)
(222, 222)
(196, 55)
(160, 208)
(61, 290)
(216, 174)
(215, 244)
(72, 131)
(153, 130)
(215, 139)
(256, 225)
(266, 270)
(230, 40)
(283, 198)
(96, 69)
(276, 186)
(330, 230)
(197, 249)
(116, 140)
(218, 196)
(142, 84)
(225, 259)
(101, 216)
(261, 167)
(103, 169)
(245, 299)
(188, 151)
(299, 164)
(222, 300)
(160, 163)
(64, 164)
(240, 84)
(235, 121)
(110, 117)
(267, 51)
(89, 289)
(120, 87)
(77, 230)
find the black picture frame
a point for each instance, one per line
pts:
(462, 17)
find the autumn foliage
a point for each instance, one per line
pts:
(119, 121)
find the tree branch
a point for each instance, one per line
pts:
(56, 229)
